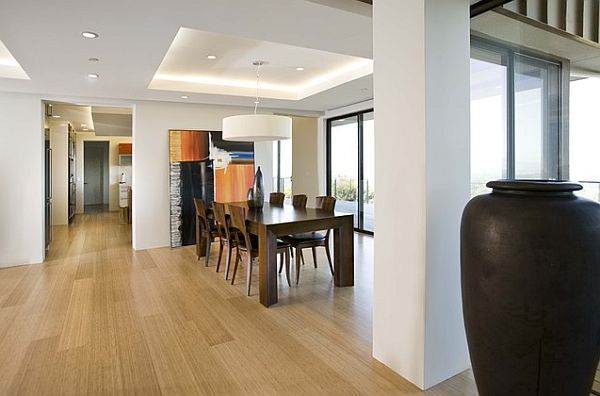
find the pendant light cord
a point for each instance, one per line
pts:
(256, 102)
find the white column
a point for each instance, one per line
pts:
(421, 77)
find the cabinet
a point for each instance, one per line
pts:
(125, 152)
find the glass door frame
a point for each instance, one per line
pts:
(361, 173)
(556, 150)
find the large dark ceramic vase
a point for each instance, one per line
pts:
(256, 194)
(530, 262)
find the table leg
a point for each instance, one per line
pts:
(343, 253)
(267, 251)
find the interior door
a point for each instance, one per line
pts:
(93, 174)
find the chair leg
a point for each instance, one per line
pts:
(280, 262)
(287, 266)
(228, 260)
(220, 254)
(208, 243)
(314, 252)
(299, 253)
(329, 257)
(237, 260)
(249, 272)
(297, 268)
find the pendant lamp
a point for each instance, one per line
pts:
(257, 127)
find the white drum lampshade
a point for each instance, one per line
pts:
(257, 128)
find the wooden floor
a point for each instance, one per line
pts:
(99, 318)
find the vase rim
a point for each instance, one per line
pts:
(551, 186)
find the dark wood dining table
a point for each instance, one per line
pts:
(275, 221)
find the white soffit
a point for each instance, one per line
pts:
(186, 68)
(9, 67)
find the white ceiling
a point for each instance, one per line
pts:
(9, 67)
(187, 68)
(45, 38)
(101, 120)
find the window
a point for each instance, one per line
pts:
(350, 167)
(516, 119)
(282, 167)
(584, 139)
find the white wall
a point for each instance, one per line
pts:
(305, 158)
(59, 143)
(115, 169)
(151, 124)
(22, 179)
(421, 85)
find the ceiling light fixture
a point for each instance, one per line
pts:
(211, 57)
(93, 75)
(84, 129)
(89, 35)
(55, 116)
(257, 127)
(93, 59)
(184, 97)
(300, 68)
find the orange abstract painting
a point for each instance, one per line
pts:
(232, 183)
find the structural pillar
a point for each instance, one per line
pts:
(421, 85)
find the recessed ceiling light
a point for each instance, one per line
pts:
(211, 57)
(89, 35)
(300, 68)
(184, 97)
(93, 75)
(94, 60)
(55, 116)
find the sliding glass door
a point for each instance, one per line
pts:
(516, 115)
(282, 167)
(350, 167)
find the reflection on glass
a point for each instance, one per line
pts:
(488, 119)
(344, 165)
(368, 172)
(536, 118)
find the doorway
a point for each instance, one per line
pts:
(95, 176)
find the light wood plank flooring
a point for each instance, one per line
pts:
(99, 318)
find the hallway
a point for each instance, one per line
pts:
(100, 318)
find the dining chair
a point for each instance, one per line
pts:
(277, 198)
(248, 244)
(226, 239)
(204, 229)
(299, 201)
(313, 240)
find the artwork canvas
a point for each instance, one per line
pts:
(203, 165)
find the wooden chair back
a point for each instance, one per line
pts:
(299, 201)
(221, 219)
(201, 213)
(237, 220)
(277, 198)
(326, 203)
